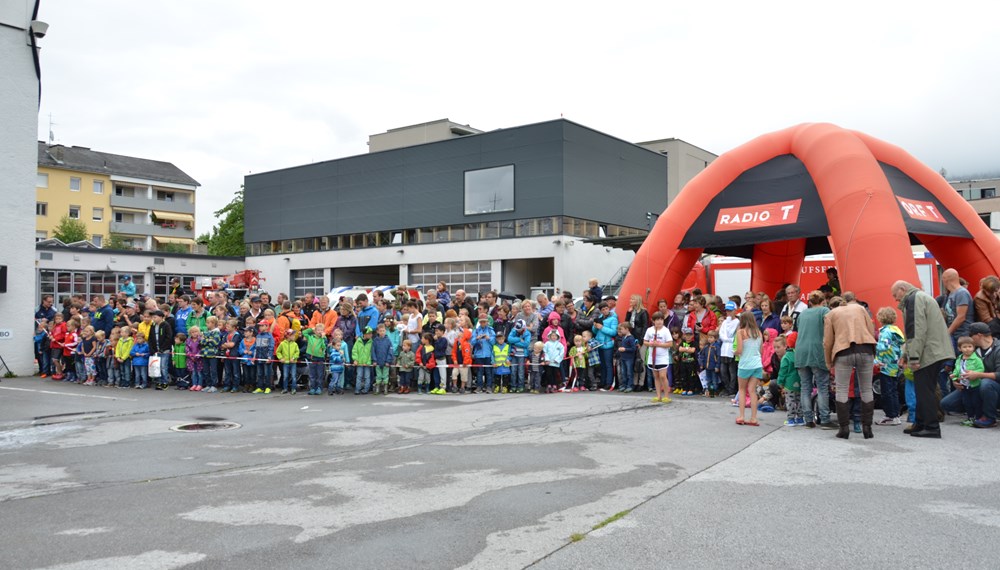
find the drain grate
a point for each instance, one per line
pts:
(206, 426)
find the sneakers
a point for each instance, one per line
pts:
(284, 391)
(212, 390)
(293, 392)
(790, 423)
(665, 400)
(800, 422)
(888, 422)
(267, 390)
(968, 422)
(257, 391)
(857, 426)
(984, 423)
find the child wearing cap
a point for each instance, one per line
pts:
(361, 354)
(686, 377)
(501, 364)
(288, 356)
(483, 339)
(727, 356)
(520, 341)
(264, 350)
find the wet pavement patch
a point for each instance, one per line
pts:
(206, 426)
(50, 416)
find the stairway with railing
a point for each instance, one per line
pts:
(614, 284)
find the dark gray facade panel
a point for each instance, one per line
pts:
(423, 185)
(610, 181)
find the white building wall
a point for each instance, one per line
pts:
(18, 160)
(575, 262)
(145, 264)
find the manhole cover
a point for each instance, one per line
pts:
(206, 426)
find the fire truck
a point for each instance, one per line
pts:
(237, 286)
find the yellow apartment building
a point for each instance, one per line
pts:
(150, 204)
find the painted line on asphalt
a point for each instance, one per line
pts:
(68, 394)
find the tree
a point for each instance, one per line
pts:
(70, 230)
(227, 237)
(116, 241)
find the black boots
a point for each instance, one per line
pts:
(867, 411)
(844, 419)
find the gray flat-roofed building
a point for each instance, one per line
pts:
(503, 209)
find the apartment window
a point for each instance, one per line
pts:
(307, 281)
(125, 218)
(42, 181)
(40, 235)
(97, 240)
(74, 212)
(74, 183)
(125, 191)
(98, 187)
(41, 209)
(489, 190)
(164, 196)
(989, 192)
(98, 214)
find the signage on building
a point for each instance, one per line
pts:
(6, 334)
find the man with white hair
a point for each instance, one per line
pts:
(794, 306)
(928, 346)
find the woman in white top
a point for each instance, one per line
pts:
(658, 341)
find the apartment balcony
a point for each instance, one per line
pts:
(144, 203)
(178, 230)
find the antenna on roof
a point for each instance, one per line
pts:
(52, 135)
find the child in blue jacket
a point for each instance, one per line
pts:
(709, 361)
(140, 360)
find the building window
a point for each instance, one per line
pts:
(41, 209)
(307, 281)
(98, 187)
(98, 214)
(74, 183)
(989, 192)
(474, 277)
(97, 240)
(164, 196)
(40, 235)
(62, 284)
(42, 181)
(125, 191)
(74, 212)
(489, 190)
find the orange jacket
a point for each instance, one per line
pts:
(327, 319)
(462, 353)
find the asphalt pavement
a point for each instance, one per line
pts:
(96, 478)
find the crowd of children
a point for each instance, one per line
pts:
(444, 343)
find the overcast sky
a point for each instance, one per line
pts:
(226, 88)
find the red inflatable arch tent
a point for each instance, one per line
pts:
(809, 189)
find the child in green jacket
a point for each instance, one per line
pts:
(789, 381)
(969, 361)
(288, 355)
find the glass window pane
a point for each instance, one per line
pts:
(489, 190)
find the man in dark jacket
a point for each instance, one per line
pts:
(161, 342)
(103, 318)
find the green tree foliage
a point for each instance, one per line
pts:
(173, 248)
(70, 230)
(227, 237)
(116, 241)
